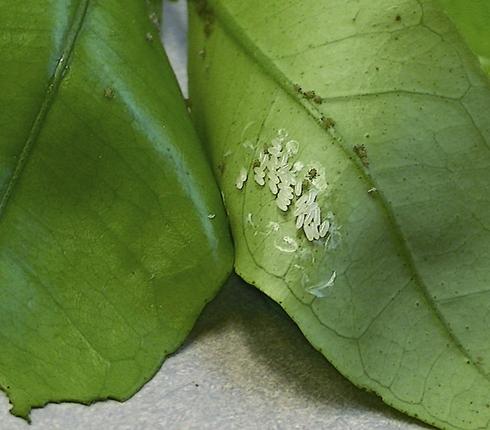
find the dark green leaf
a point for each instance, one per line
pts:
(390, 110)
(112, 233)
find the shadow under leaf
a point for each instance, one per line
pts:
(281, 352)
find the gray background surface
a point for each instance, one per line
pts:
(245, 366)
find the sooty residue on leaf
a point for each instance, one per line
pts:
(308, 95)
(207, 15)
(109, 93)
(327, 123)
(312, 174)
(361, 152)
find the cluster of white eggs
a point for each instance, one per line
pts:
(287, 181)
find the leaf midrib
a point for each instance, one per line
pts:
(49, 97)
(239, 35)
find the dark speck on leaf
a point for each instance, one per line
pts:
(109, 93)
(311, 95)
(327, 122)
(361, 152)
(221, 168)
(207, 15)
(312, 174)
(398, 18)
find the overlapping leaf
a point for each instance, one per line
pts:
(472, 20)
(109, 216)
(389, 110)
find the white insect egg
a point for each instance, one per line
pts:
(288, 194)
(311, 196)
(310, 213)
(314, 230)
(298, 188)
(282, 134)
(292, 147)
(283, 161)
(300, 220)
(308, 216)
(324, 227)
(273, 187)
(316, 233)
(273, 226)
(281, 204)
(263, 159)
(259, 176)
(309, 232)
(300, 212)
(316, 216)
(285, 182)
(301, 205)
(286, 176)
(298, 166)
(276, 150)
(271, 164)
(285, 190)
(302, 200)
(242, 178)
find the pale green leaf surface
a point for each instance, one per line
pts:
(110, 219)
(408, 313)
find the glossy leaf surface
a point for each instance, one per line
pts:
(110, 219)
(390, 112)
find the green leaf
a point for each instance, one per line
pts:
(110, 219)
(390, 111)
(472, 19)
(154, 11)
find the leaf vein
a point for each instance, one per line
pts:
(50, 96)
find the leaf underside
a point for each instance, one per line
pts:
(106, 233)
(399, 132)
